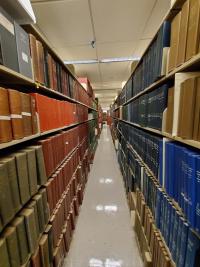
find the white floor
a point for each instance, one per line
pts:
(103, 236)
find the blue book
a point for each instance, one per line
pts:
(193, 248)
(160, 175)
(179, 234)
(173, 211)
(197, 186)
(183, 247)
(191, 175)
(175, 231)
(169, 227)
(169, 169)
(159, 200)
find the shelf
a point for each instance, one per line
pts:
(192, 143)
(32, 137)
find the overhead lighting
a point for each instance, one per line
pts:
(87, 61)
(103, 60)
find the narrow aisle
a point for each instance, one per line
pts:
(103, 236)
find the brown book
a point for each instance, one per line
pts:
(183, 33)
(13, 181)
(49, 232)
(40, 54)
(33, 205)
(197, 111)
(170, 110)
(187, 109)
(4, 257)
(34, 57)
(6, 202)
(40, 211)
(32, 170)
(193, 29)
(31, 229)
(10, 235)
(34, 116)
(35, 259)
(16, 114)
(26, 114)
(23, 178)
(5, 120)
(175, 28)
(19, 223)
(44, 250)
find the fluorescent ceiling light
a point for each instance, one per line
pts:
(104, 60)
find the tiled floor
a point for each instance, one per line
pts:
(103, 235)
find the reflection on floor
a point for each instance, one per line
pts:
(103, 235)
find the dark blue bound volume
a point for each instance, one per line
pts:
(183, 247)
(197, 190)
(193, 250)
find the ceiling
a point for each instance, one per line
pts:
(120, 28)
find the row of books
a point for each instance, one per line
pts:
(59, 198)
(152, 66)
(18, 117)
(149, 235)
(182, 242)
(147, 146)
(28, 55)
(63, 114)
(184, 43)
(148, 109)
(20, 239)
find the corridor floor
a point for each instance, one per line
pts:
(103, 236)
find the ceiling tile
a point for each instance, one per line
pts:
(65, 22)
(117, 20)
(120, 49)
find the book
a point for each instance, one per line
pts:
(10, 235)
(5, 120)
(19, 224)
(4, 256)
(31, 229)
(192, 46)
(170, 110)
(23, 51)
(8, 41)
(6, 201)
(41, 172)
(196, 127)
(40, 211)
(173, 52)
(40, 55)
(183, 33)
(32, 204)
(10, 164)
(197, 192)
(16, 113)
(192, 251)
(23, 177)
(34, 116)
(44, 250)
(35, 259)
(32, 170)
(46, 211)
(26, 114)
(34, 56)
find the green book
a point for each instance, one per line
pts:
(22, 173)
(49, 232)
(43, 192)
(41, 171)
(6, 204)
(40, 210)
(19, 223)
(33, 205)
(4, 257)
(31, 229)
(44, 250)
(12, 176)
(32, 170)
(10, 235)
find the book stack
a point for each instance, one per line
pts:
(148, 109)
(184, 42)
(18, 117)
(63, 114)
(87, 85)
(15, 50)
